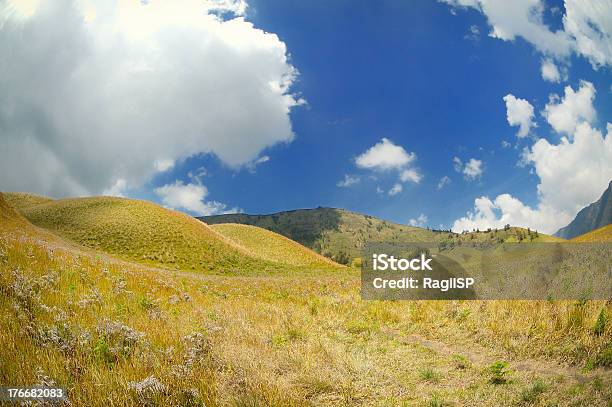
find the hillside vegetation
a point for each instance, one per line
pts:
(341, 235)
(145, 232)
(119, 333)
(603, 234)
(270, 246)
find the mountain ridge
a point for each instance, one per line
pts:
(594, 216)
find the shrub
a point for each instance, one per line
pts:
(600, 324)
(499, 372)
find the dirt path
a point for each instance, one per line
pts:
(481, 357)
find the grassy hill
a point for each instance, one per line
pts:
(145, 232)
(340, 235)
(21, 200)
(271, 246)
(603, 234)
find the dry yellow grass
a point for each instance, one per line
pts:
(21, 200)
(603, 234)
(100, 326)
(271, 246)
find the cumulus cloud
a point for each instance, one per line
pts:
(190, 197)
(444, 181)
(385, 155)
(94, 92)
(586, 26)
(572, 175)
(505, 209)
(576, 106)
(589, 23)
(348, 181)
(550, 72)
(396, 189)
(420, 221)
(521, 18)
(519, 112)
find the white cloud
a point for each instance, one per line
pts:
(119, 188)
(129, 84)
(163, 165)
(586, 26)
(190, 197)
(348, 181)
(505, 144)
(473, 169)
(519, 112)
(396, 189)
(549, 71)
(252, 166)
(589, 23)
(473, 33)
(505, 209)
(573, 174)
(520, 18)
(444, 181)
(574, 108)
(385, 155)
(420, 221)
(410, 175)
(457, 164)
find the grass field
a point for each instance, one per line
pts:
(120, 332)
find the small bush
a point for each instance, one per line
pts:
(499, 372)
(600, 324)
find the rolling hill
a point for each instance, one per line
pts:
(270, 246)
(341, 235)
(150, 234)
(594, 216)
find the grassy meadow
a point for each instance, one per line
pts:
(125, 303)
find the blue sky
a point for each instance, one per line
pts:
(428, 76)
(406, 71)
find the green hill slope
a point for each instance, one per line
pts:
(341, 235)
(271, 246)
(145, 232)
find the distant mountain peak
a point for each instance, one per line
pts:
(594, 216)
